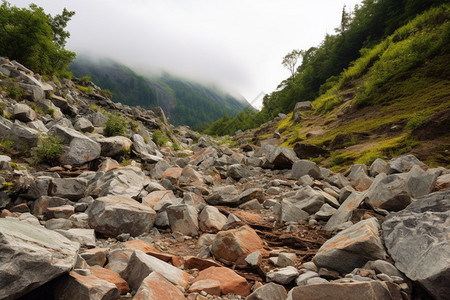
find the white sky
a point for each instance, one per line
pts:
(236, 44)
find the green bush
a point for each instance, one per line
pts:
(85, 89)
(15, 92)
(48, 150)
(160, 138)
(85, 79)
(116, 125)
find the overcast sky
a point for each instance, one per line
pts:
(237, 44)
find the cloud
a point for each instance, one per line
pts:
(238, 44)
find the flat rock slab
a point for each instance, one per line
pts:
(372, 290)
(417, 240)
(345, 211)
(113, 215)
(352, 247)
(270, 291)
(230, 282)
(31, 256)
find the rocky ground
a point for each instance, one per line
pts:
(121, 218)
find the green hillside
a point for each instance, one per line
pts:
(183, 101)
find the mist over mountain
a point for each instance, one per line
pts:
(184, 102)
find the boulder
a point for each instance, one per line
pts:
(155, 286)
(114, 215)
(158, 169)
(270, 291)
(69, 188)
(373, 290)
(95, 256)
(23, 112)
(305, 167)
(78, 287)
(345, 211)
(159, 199)
(389, 192)
(112, 277)
(405, 163)
(123, 182)
(81, 149)
(352, 247)
(303, 150)
(34, 92)
(284, 275)
(189, 176)
(86, 237)
(290, 212)
(141, 265)
(229, 281)
(41, 205)
(231, 245)
(184, 219)
(31, 256)
(224, 195)
(238, 171)
(22, 136)
(303, 106)
(378, 166)
(281, 158)
(420, 182)
(84, 125)
(211, 219)
(417, 240)
(114, 145)
(5, 163)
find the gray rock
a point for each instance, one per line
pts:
(184, 219)
(270, 291)
(254, 259)
(59, 223)
(158, 169)
(35, 92)
(114, 145)
(85, 237)
(113, 215)
(81, 149)
(382, 266)
(389, 192)
(224, 195)
(211, 219)
(290, 212)
(43, 203)
(238, 171)
(141, 265)
(123, 182)
(38, 125)
(305, 167)
(281, 158)
(283, 276)
(378, 166)
(31, 256)
(303, 106)
(417, 240)
(304, 277)
(83, 125)
(70, 188)
(63, 122)
(22, 136)
(286, 259)
(352, 247)
(23, 113)
(420, 182)
(325, 212)
(5, 163)
(405, 163)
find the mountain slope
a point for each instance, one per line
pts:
(184, 102)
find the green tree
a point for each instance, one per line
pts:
(291, 59)
(35, 38)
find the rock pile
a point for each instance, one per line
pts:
(205, 221)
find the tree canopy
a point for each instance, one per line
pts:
(35, 38)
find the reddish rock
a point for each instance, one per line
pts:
(95, 256)
(194, 262)
(234, 244)
(230, 282)
(112, 277)
(157, 198)
(156, 287)
(20, 208)
(76, 286)
(373, 290)
(210, 286)
(172, 174)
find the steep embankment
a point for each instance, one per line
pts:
(393, 100)
(184, 102)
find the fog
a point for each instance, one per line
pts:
(236, 44)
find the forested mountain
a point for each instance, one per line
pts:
(369, 33)
(183, 101)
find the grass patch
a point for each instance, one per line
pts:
(415, 121)
(14, 91)
(85, 89)
(159, 138)
(6, 144)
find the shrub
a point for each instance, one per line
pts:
(48, 150)
(84, 79)
(85, 89)
(159, 138)
(14, 92)
(116, 125)
(134, 126)
(5, 143)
